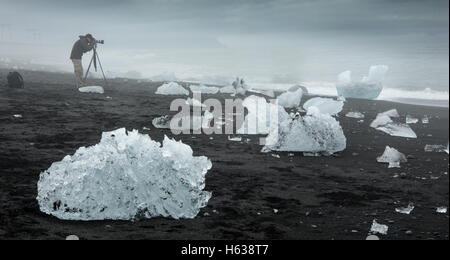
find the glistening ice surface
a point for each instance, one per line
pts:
(124, 177)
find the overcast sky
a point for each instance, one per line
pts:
(296, 33)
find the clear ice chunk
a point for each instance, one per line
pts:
(325, 105)
(291, 98)
(314, 133)
(368, 88)
(126, 176)
(406, 210)
(383, 122)
(429, 148)
(398, 129)
(392, 157)
(92, 89)
(425, 120)
(379, 228)
(357, 115)
(172, 88)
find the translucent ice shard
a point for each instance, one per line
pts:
(172, 88)
(435, 148)
(92, 89)
(314, 133)
(425, 120)
(162, 122)
(325, 105)
(406, 210)
(392, 157)
(369, 88)
(398, 129)
(291, 98)
(379, 228)
(442, 210)
(384, 123)
(357, 115)
(124, 177)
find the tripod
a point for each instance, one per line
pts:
(94, 60)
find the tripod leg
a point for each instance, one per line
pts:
(87, 71)
(101, 68)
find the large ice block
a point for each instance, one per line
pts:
(369, 87)
(313, 133)
(124, 177)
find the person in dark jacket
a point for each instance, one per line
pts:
(83, 45)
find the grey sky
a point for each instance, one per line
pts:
(295, 32)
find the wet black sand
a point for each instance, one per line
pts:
(316, 198)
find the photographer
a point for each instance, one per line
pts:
(84, 44)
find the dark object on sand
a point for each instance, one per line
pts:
(15, 80)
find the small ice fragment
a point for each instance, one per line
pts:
(145, 128)
(72, 237)
(379, 228)
(92, 89)
(411, 120)
(276, 156)
(447, 150)
(17, 116)
(393, 157)
(275, 211)
(235, 139)
(429, 148)
(324, 105)
(441, 210)
(372, 238)
(172, 88)
(406, 210)
(398, 129)
(357, 115)
(425, 120)
(162, 122)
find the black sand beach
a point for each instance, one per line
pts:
(317, 198)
